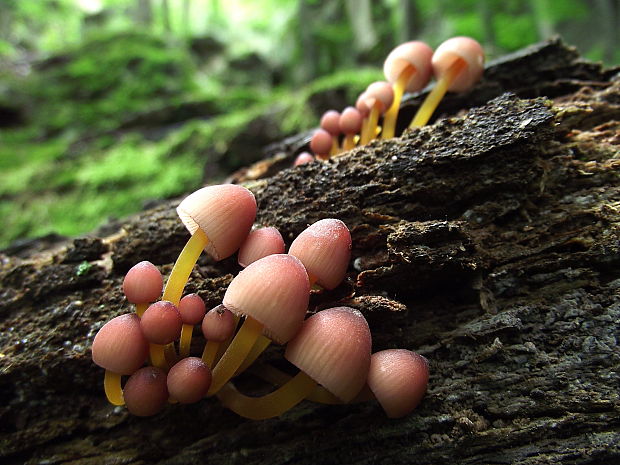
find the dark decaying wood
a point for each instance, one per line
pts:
(489, 242)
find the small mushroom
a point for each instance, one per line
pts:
(146, 392)
(192, 310)
(350, 124)
(329, 122)
(218, 325)
(120, 348)
(321, 144)
(332, 349)
(272, 293)
(260, 243)
(189, 380)
(458, 63)
(379, 97)
(408, 69)
(303, 158)
(142, 285)
(398, 378)
(324, 248)
(161, 324)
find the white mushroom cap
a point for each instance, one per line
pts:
(225, 213)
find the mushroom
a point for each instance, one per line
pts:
(458, 64)
(260, 243)
(146, 392)
(350, 124)
(161, 324)
(218, 325)
(142, 285)
(192, 311)
(272, 293)
(330, 123)
(303, 158)
(398, 378)
(321, 143)
(408, 69)
(332, 349)
(120, 348)
(378, 98)
(324, 248)
(189, 380)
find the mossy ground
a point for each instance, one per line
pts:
(78, 160)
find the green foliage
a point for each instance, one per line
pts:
(100, 83)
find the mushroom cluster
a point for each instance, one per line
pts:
(457, 65)
(266, 302)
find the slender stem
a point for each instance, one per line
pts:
(371, 125)
(258, 348)
(209, 353)
(349, 142)
(270, 405)
(236, 352)
(183, 266)
(186, 340)
(112, 387)
(434, 97)
(335, 149)
(141, 308)
(158, 358)
(389, 120)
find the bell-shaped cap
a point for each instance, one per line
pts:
(414, 54)
(143, 283)
(380, 92)
(218, 324)
(466, 49)
(120, 346)
(260, 243)
(325, 250)
(225, 213)
(333, 348)
(398, 378)
(274, 291)
(189, 380)
(145, 392)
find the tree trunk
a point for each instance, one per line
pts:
(165, 14)
(144, 13)
(488, 242)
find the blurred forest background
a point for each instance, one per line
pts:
(108, 105)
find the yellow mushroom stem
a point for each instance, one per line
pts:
(389, 120)
(158, 357)
(434, 97)
(141, 308)
(213, 350)
(180, 274)
(112, 386)
(186, 340)
(335, 147)
(349, 142)
(258, 348)
(235, 354)
(370, 128)
(270, 405)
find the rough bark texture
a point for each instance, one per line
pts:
(488, 242)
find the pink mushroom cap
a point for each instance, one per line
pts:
(120, 346)
(324, 248)
(218, 324)
(380, 92)
(303, 158)
(333, 348)
(274, 291)
(321, 142)
(329, 122)
(143, 283)
(145, 392)
(225, 213)
(415, 54)
(189, 380)
(192, 309)
(466, 49)
(161, 323)
(260, 243)
(351, 120)
(398, 378)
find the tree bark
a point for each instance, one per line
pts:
(488, 242)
